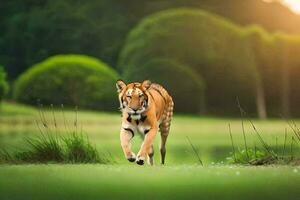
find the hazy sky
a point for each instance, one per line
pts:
(294, 5)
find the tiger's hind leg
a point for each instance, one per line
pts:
(164, 133)
(165, 129)
(163, 151)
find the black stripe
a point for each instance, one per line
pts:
(143, 118)
(122, 101)
(151, 96)
(160, 94)
(137, 122)
(146, 131)
(130, 130)
(129, 118)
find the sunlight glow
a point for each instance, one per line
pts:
(294, 5)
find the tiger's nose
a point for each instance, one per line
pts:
(134, 109)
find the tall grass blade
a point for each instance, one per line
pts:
(265, 145)
(297, 130)
(243, 128)
(232, 145)
(65, 120)
(293, 129)
(284, 144)
(54, 118)
(195, 151)
(292, 148)
(276, 145)
(76, 120)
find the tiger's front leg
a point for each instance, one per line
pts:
(146, 146)
(125, 136)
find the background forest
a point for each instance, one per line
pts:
(227, 50)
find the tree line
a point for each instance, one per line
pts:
(33, 30)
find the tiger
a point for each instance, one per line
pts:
(146, 109)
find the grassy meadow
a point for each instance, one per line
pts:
(122, 179)
(135, 182)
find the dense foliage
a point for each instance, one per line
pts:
(3, 83)
(200, 40)
(72, 80)
(33, 30)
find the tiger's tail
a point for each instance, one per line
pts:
(166, 123)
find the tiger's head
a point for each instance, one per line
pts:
(133, 97)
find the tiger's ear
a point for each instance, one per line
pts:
(120, 85)
(146, 84)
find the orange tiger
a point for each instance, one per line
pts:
(146, 108)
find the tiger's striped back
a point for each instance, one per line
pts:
(168, 108)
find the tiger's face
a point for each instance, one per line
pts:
(133, 97)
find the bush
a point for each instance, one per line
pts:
(212, 46)
(72, 80)
(180, 81)
(56, 145)
(80, 150)
(3, 83)
(50, 148)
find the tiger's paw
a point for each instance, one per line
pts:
(140, 160)
(132, 158)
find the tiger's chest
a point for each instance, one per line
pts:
(137, 126)
(143, 129)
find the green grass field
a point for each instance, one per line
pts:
(135, 182)
(181, 178)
